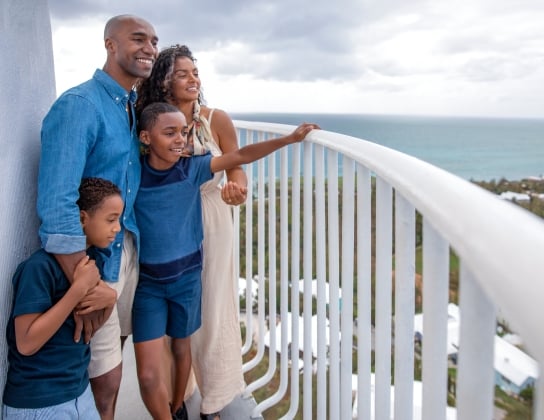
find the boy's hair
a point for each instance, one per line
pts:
(93, 191)
(151, 113)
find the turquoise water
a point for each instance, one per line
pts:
(480, 149)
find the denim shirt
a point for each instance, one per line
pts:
(86, 133)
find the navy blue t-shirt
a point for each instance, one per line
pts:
(169, 216)
(58, 371)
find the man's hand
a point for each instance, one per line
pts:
(88, 324)
(100, 297)
(94, 310)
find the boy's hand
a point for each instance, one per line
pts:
(302, 131)
(233, 193)
(86, 275)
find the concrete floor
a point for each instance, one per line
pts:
(130, 405)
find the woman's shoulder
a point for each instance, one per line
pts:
(215, 113)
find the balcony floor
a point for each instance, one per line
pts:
(130, 405)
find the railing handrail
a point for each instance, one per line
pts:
(510, 260)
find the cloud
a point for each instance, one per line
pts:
(433, 51)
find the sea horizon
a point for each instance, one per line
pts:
(474, 148)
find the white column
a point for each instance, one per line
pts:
(27, 83)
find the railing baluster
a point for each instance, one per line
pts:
(405, 238)
(249, 253)
(347, 273)
(384, 217)
(295, 276)
(260, 268)
(320, 260)
(333, 260)
(475, 374)
(364, 291)
(435, 323)
(307, 272)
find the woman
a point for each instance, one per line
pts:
(216, 346)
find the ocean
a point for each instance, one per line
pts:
(479, 149)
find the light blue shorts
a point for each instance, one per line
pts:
(81, 408)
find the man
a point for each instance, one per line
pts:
(90, 131)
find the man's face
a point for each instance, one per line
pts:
(132, 49)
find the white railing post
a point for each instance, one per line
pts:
(384, 248)
(405, 242)
(475, 374)
(307, 250)
(321, 263)
(347, 273)
(435, 323)
(333, 260)
(295, 275)
(364, 292)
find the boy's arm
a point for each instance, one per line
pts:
(33, 330)
(88, 322)
(256, 151)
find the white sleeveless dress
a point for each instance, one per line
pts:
(216, 346)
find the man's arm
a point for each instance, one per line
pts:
(68, 133)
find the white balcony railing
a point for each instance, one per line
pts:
(500, 250)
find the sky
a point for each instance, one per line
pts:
(388, 57)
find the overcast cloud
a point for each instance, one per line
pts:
(469, 57)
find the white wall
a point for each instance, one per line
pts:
(27, 89)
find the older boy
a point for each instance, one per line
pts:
(168, 213)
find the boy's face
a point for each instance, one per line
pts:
(166, 140)
(102, 224)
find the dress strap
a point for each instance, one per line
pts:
(210, 116)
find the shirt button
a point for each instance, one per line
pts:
(130, 162)
(128, 191)
(118, 245)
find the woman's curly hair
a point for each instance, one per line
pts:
(157, 88)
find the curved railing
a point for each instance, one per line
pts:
(500, 250)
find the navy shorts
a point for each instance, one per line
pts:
(171, 308)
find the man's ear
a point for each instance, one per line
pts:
(144, 137)
(109, 44)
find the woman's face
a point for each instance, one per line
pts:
(185, 81)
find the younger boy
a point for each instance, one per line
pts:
(47, 375)
(168, 214)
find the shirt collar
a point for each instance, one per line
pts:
(114, 89)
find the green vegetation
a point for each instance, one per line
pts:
(528, 186)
